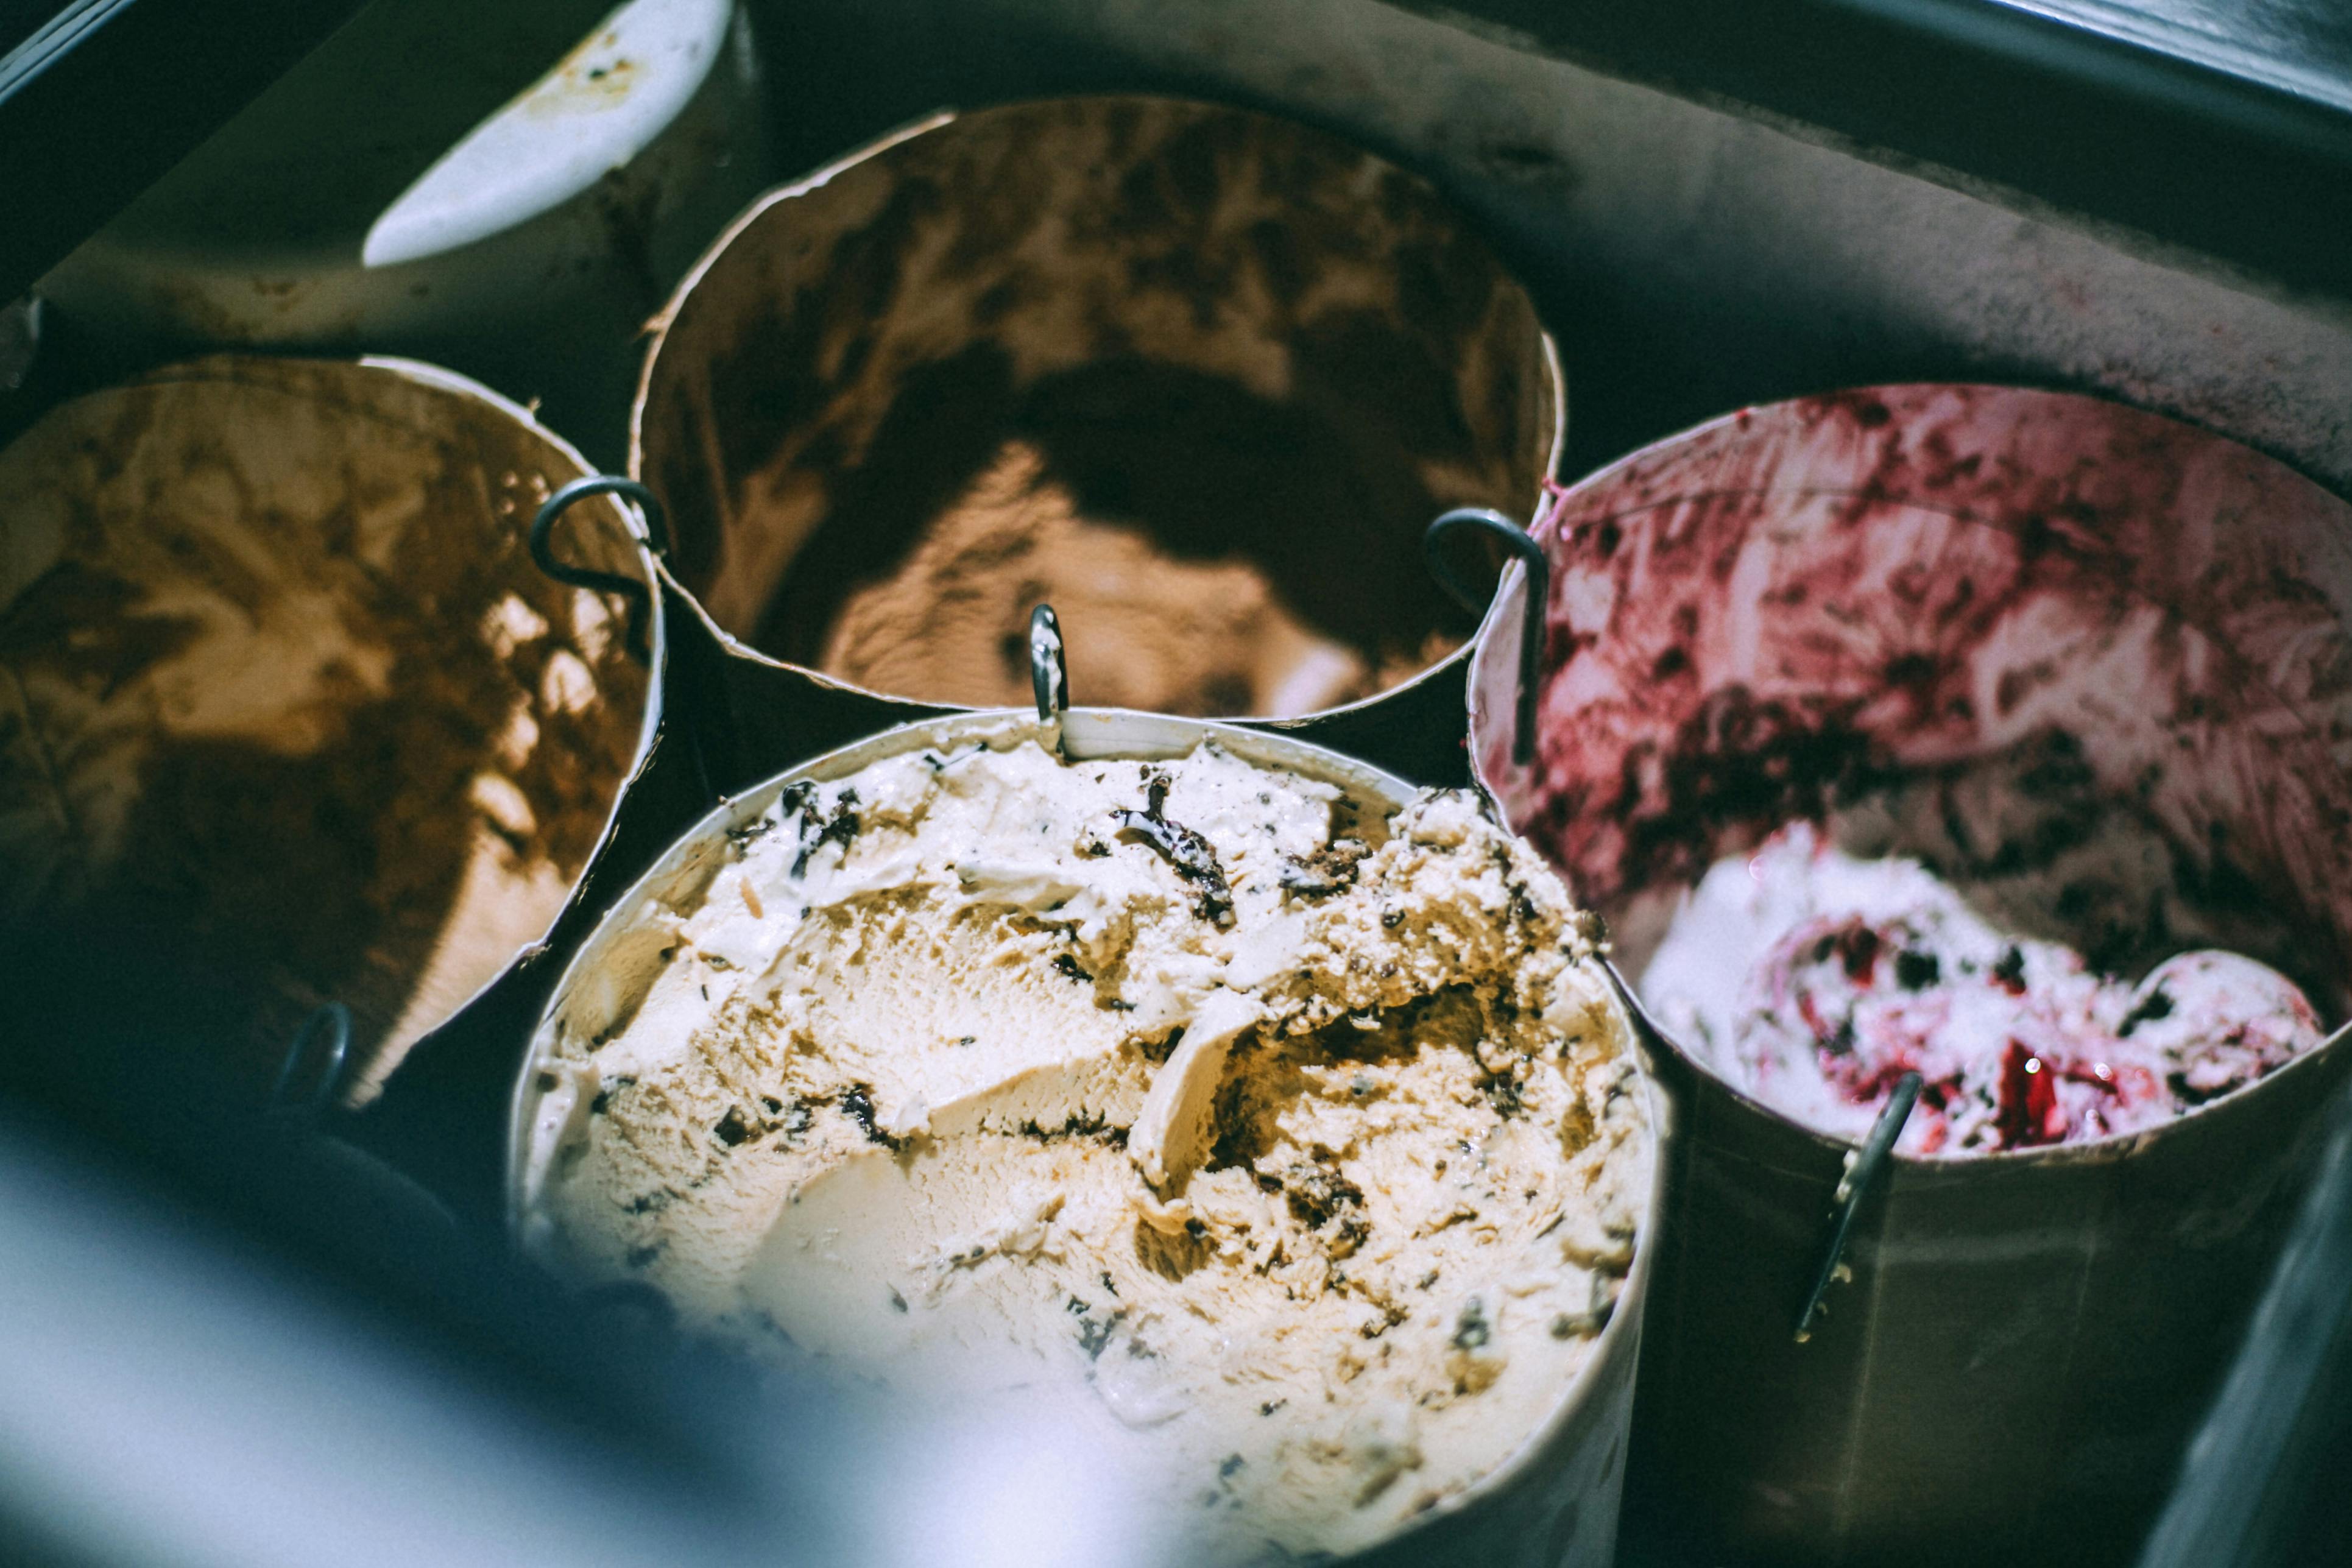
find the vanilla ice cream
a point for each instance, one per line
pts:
(1289, 1148)
(1813, 980)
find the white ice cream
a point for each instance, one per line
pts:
(1292, 1154)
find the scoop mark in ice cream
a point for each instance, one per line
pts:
(1318, 1207)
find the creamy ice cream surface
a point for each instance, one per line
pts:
(1813, 980)
(1291, 1150)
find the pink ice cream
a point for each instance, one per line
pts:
(1812, 981)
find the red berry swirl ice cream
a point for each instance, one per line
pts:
(1812, 981)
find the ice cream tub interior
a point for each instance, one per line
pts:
(1198, 376)
(291, 717)
(1087, 1246)
(2087, 667)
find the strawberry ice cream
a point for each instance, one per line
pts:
(1812, 981)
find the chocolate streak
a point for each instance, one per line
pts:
(1192, 855)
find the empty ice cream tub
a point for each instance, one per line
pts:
(860, 1069)
(1196, 375)
(2087, 662)
(290, 715)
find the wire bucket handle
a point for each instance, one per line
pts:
(639, 598)
(1517, 540)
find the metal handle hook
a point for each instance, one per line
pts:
(328, 1027)
(1531, 625)
(1865, 1170)
(1049, 666)
(542, 527)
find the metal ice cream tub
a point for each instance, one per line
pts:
(1196, 375)
(1800, 608)
(1554, 1502)
(290, 715)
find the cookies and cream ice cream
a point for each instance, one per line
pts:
(1290, 1149)
(1813, 980)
